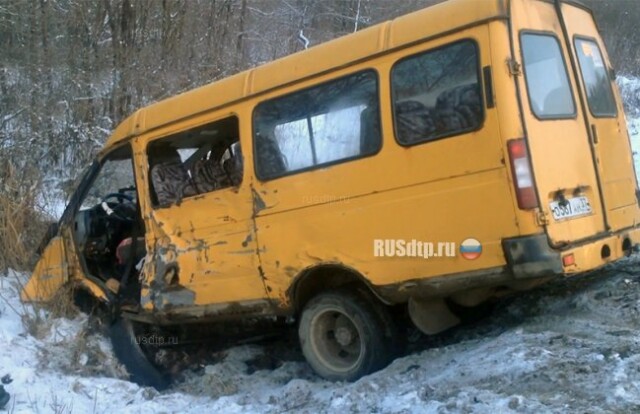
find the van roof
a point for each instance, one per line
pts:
(344, 51)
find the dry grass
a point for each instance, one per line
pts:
(80, 354)
(21, 223)
(70, 343)
(22, 226)
(37, 317)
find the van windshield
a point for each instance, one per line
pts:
(546, 75)
(115, 176)
(595, 78)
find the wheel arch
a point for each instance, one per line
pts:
(326, 276)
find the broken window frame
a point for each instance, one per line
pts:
(230, 146)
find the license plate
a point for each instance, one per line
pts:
(571, 207)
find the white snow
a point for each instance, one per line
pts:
(44, 377)
(633, 126)
(571, 346)
(630, 91)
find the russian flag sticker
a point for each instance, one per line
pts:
(470, 249)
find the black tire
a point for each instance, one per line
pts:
(343, 336)
(132, 356)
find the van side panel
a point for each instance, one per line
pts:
(441, 191)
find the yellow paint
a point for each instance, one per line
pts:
(93, 289)
(49, 275)
(57, 266)
(225, 251)
(589, 256)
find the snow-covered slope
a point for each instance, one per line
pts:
(572, 346)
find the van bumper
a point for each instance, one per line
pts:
(532, 257)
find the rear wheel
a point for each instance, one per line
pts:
(128, 349)
(343, 336)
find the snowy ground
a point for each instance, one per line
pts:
(571, 346)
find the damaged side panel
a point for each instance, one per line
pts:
(204, 253)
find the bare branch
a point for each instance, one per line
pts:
(303, 39)
(9, 117)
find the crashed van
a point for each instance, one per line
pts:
(424, 165)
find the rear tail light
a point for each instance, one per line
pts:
(568, 260)
(522, 176)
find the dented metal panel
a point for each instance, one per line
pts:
(202, 251)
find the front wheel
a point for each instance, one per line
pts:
(343, 336)
(128, 349)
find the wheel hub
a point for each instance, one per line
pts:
(344, 336)
(336, 340)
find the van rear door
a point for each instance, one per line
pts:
(560, 153)
(604, 116)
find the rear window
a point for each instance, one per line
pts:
(437, 94)
(595, 78)
(546, 76)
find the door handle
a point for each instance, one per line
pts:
(594, 134)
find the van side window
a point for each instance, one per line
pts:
(546, 76)
(437, 93)
(326, 124)
(196, 161)
(595, 77)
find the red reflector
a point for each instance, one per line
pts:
(517, 148)
(568, 260)
(527, 198)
